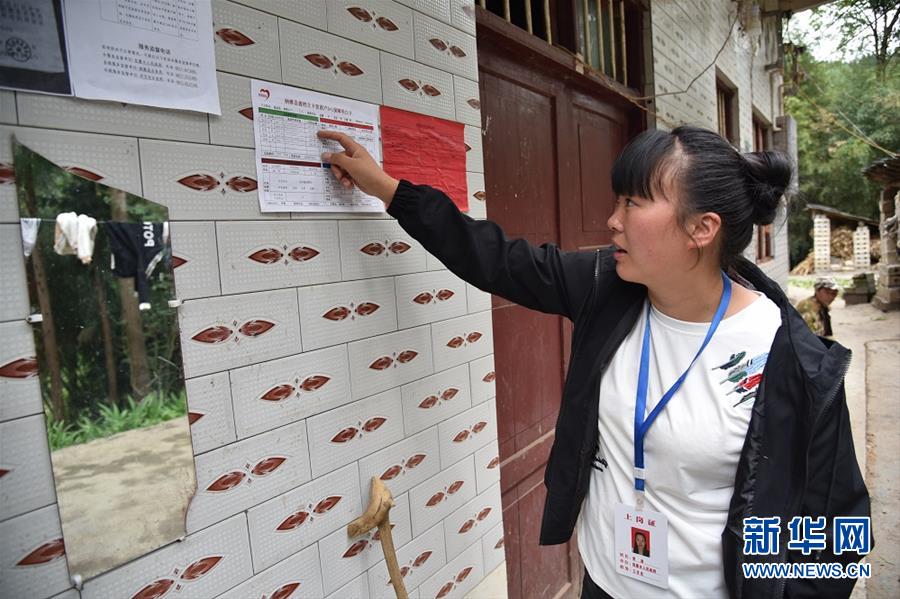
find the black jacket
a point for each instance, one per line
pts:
(798, 456)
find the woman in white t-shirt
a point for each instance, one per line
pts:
(694, 399)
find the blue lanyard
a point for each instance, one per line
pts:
(641, 424)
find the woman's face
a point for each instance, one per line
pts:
(640, 541)
(651, 245)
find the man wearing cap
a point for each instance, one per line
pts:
(814, 309)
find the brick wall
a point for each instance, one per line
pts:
(685, 37)
(144, 151)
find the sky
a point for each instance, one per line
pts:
(823, 44)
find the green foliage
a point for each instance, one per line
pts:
(110, 420)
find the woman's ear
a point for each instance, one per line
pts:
(703, 229)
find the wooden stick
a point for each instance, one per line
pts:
(377, 514)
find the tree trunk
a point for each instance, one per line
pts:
(112, 379)
(131, 315)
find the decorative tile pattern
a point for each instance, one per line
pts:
(327, 63)
(492, 548)
(116, 118)
(198, 182)
(14, 292)
(32, 555)
(419, 559)
(204, 564)
(297, 576)
(468, 101)
(378, 248)
(26, 478)
(462, 339)
(300, 517)
(474, 149)
(487, 466)
(458, 577)
(435, 398)
(246, 473)
(342, 312)
(477, 195)
(463, 434)
(209, 412)
(195, 261)
(383, 24)
(483, 379)
(235, 126)
(418, 88)
(19, 385)
(279, 392)
(246, 41)
(438, 10)
(389, 361)
(227, 332)
(345, 434)
(402, 465)
(254, 256)
(470, 522)
(441, 495)
(430, 296)
(443, 47)
(463, 15)
(343, 558)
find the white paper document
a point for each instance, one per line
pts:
(290, 172)
(31, 47)
(151, 52)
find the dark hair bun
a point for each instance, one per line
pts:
(768, 176)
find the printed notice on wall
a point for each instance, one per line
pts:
(151, 52)
(289, 167)
(32, 48)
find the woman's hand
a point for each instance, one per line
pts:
(354, 166)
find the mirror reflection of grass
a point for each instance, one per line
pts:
(110, 420)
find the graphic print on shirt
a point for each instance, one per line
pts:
(599, 462)
(743, 376)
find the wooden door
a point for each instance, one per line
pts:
(548, 149)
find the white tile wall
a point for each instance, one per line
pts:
(246, 473)
(7, 107)
(344, 312)
(235, 126)
(343, 558)
(439, 10)
(463, 434)
(389, 361)
(19, 385)
(419, 559)
(358, 588)
(111, 160)
(468, 103)
(441, 495)
(345, 434)
(444, 47)
(297, 577)
(195, 261)
(478, 300)
(286, 390)
(470, 522)
(475, 153)
(209, 412)
(246, 41)
(402, 465)
(56, 112)
(435, 398)
(27, 483)
(212, 338)
(13, 303)
(300, 517)
(459, 576)
(487, 466)
(254, 256)
(477, 196)
(483, 378)
(430, 296)
(389, 250)
(33, 558)
(197, 182)
(463, 15)
(382, 24)
(424, 89)
(492, 548)
(308, 12)
(219, 558)
(327, 63)
(462, 339)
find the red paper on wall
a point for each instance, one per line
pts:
(425, 150)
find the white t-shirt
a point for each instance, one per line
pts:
(691, 451)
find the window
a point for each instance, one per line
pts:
(725, 100)
(764, 246)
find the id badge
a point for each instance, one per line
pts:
(642, 545)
